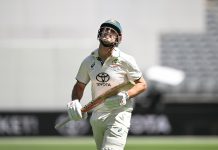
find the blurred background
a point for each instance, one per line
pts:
(42, 43)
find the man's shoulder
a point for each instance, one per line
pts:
(90, 57)
(94, 53)
(125, 56)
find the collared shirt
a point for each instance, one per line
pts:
(118, 68)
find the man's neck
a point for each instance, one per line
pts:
(105, 52)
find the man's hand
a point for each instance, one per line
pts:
(74, 110)
(114, 102)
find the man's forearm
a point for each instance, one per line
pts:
(139, 87)
(77, 91)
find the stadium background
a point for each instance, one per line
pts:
(42, 43)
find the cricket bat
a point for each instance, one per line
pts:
(100, 99)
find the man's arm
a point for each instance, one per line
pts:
(78, 90)
(74, 106)
(115, 102)
(140, 86)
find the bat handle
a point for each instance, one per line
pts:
(61, 124)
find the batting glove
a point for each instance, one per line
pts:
(74, 110)
(114, 102)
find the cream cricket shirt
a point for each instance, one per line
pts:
(118, 68)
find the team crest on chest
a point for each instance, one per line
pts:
(116, 65)
(115, 62)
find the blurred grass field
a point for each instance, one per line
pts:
(87, 143)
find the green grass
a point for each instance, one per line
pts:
(87, 143)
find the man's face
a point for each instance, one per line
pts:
(108, 35)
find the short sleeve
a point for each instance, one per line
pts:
(82, 75)
(133, 71)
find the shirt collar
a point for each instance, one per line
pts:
(115, 53)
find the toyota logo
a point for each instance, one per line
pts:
(102, 77)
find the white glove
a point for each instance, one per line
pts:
(114, 102)
(74, 110)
